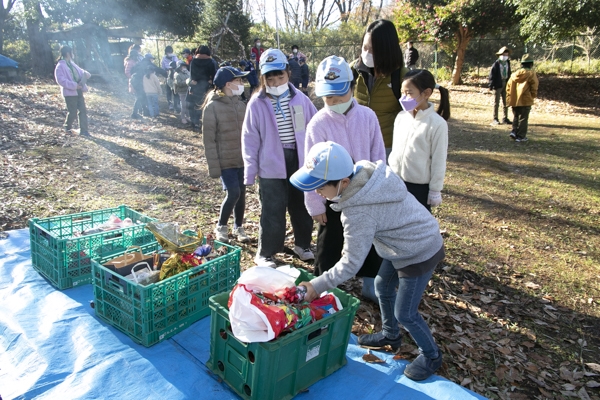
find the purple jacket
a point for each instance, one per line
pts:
(164, 63)
(261, 147)
(358, 132)
(64, 77)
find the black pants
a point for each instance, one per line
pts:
(141, 105)
(420, 191)
(76, 107)
(521, 121)
(330, 242)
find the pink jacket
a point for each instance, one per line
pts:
(358, 132)
(64, 77)
(261, 146)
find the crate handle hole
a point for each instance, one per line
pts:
(223, 334)
(251, 358)
(247, 390)
(221, 366)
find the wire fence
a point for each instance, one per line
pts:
(579, 55)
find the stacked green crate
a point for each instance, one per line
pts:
(283, 367)
(65, 259)
(150, 314)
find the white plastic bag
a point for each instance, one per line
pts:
(249, 321)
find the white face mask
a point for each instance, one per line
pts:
(295, 51)
(340, 108)
(367, 59)
(238, 91)
(504, 58)
(338, 196)
(277, 90)
(170, 55)
(257, 44)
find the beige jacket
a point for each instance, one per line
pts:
(222, 122)
(522, 88)
(152, 85)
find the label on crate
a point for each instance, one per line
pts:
(313, 350)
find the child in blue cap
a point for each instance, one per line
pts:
(356, 128)
(223, 115)
(377, 209)
(273, 139)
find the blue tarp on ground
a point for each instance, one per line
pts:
(53, 347)
(6, 62)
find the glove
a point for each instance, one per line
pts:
(434, 198)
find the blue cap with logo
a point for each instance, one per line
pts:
(272, 60)
(227, 74)
(333, 77)
(326, 161)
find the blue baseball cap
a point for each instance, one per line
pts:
(333, 77)
(272, 60)
(227, 74)
(326, 161)
(149, 56)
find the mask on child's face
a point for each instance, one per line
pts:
(367, 59)
(340, 108)
(277, 90)
(238, 91)
(338, 196)
(504, 58)
(408, 103)
(257, 44)
(295, 51)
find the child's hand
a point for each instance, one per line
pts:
(310, 291)
(434, 199)
(321, 218)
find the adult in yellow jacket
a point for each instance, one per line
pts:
(522, 88)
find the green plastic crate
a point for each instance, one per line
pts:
(283, 367)
(150, 314)
(65, 260)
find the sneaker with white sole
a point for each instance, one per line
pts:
(240, 234)
(222, 233)
(304, 254)
(265, 261)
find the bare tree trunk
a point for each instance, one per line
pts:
(463, 36)
(4, 11)
(42, 63)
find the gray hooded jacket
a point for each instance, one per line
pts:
(377, 209)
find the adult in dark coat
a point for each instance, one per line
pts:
(202, 72)
(411, 56)
(296, 72)
(499, 75)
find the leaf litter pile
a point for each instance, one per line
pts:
(502, 336)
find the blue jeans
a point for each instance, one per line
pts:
(403, 307)
(235, 201)
(152, 104)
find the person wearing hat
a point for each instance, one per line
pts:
(356, 128)
(295, 71)
(499, 75)
(202, 72)
(377, 210)
(252, 77)
(273, 138)
(180, 83)
(72, 80)
(223, 116)
(522, 89)
(257, 50)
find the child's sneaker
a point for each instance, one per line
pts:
(423, 367)
(265, 261)
(240, 234)
(513, 136)
(378, 340)
(222, 233)
(521, 139)
(304, 254)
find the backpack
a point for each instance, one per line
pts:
(137, 81)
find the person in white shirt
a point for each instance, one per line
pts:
(420, 141)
